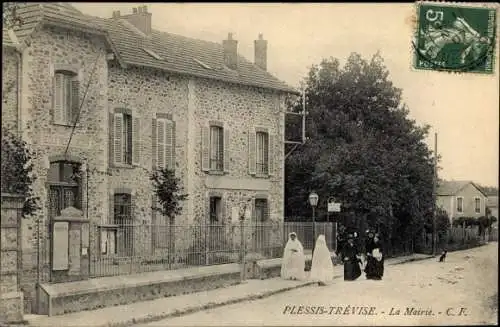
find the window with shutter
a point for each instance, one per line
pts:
(216, 148)
(271, 155)
(262, 153)
(136, 140)
(165, 143)
(226, 150)
(118, 138)
(169, 144)
(252, 160)
(127, 139)
(66, 104)
(154, 144)
(75, 101)
(205, 148)
(161, 126)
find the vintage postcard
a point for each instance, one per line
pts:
(249, 164)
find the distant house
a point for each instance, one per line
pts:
(461, 199)
(492, 204)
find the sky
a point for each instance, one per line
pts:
(463, 109)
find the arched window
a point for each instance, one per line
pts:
(64, 186)
(66, 97)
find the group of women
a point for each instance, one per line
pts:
(372, 261)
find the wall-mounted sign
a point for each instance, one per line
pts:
(74, 252)
(60, 246)
(85, 235)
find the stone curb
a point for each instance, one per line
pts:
(197, 308)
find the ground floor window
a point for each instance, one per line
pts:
(261, 210)
(215, 209)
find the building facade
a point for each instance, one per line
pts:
(105, 102)
(461, 199)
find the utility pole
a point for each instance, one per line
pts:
(434, 213)
(302, 113)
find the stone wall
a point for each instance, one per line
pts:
(9, 89)
(11, 299)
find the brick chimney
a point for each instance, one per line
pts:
(116, 14)
(230, 52)
(260, 57)
(140, 18)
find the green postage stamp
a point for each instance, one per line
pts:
(455, 38)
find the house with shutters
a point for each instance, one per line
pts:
(461, 199)
(106, 101)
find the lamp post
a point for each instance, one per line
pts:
(313, 201)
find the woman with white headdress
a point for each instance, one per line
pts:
(322, 266)
(294, 261)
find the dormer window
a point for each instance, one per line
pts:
(66, 97)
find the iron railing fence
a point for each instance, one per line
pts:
(456, 238)
(135, 248)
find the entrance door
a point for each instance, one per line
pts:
(123, 220)
(261, 228)
(215, 231)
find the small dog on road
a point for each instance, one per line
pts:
(442, 258)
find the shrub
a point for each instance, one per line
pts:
(469, 221)
(17, 171)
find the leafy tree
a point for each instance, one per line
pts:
(17, 170)
(363, 149)
(169, 192)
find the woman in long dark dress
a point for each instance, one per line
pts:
(351, 260)
(369, 246)
(375, 259)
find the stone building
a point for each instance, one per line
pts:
(104, 102)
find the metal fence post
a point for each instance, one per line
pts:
(206, 243)
(242, 249)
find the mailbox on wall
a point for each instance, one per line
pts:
(70, 246)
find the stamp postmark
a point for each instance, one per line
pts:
(455, 38)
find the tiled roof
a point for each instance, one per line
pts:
(177, 54)
(453, 187)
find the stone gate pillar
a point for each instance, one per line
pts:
(70, 246)
(11, 299)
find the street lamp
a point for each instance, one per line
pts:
(313, 201)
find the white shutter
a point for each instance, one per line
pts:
(252, 146)
(118, 138)
(58, 99)
(205, 148)
(160, 138)
(169, 144)
(136, 140)
(226, 149)
(271, 154)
